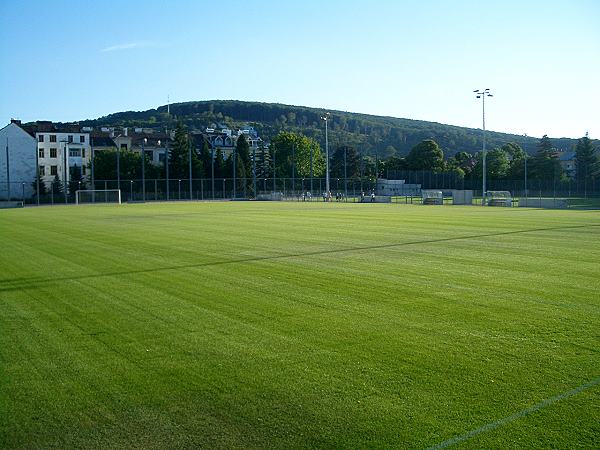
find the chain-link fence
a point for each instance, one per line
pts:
(578, 193)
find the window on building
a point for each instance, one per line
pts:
(70, 138)
(82, 138)
(52, 138)
(52, 153)
(53, 170)
(42, 171)
(40, 138)
(41, 153)
(74, 152)
(123, 146)
(83, 152)
(83, 170)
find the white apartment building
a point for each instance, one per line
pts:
(60, 151)
(17, 162)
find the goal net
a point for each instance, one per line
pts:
(432, 197)
(498, 198)
(98, 196)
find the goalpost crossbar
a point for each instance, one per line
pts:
(95, 192)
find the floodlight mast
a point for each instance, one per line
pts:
(325, 117)
(482, 95)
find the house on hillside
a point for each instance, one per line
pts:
(63, 150)
(567, 162)
(17, 162)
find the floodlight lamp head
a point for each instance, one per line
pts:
(145, 140)
(479, 96)
(476, 90)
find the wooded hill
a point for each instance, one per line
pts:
(388, 136)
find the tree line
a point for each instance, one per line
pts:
(296, 155)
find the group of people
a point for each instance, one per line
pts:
(363, 197)
(339, 196)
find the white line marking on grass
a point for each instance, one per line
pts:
(518, 415)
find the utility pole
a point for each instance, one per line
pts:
(144, 169)
(254, 169)
(190, 162)
(345, 174)
(212, 171)
(326, 117)
(311, 169)
(65, 173)
(482, 95)
(7, 172)
(233, 160)
(293, 167)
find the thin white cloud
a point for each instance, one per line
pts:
(129, 46)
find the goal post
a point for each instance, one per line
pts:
(432, 197)
(498, 198)
(98, 196)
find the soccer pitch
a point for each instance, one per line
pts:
(289, 325)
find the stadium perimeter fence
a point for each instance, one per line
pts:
(577, 193)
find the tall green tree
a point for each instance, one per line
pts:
(105, 166)
(514, 151)
(517, 156)
(497, 164)
(57, 186)
(427, 155)
(179, 156)
(545, 164)
(586, 160)
(220, 165)
(392, 163)
(43, 187)
(75, 179)
(290, 148)
(349, 155)
(243, 151)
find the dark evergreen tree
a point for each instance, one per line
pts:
(243, 150)
(179, 153)
(586, 160)
(57, 186)
(545, 165)
(105, 166)
(220, 165)
(75, 179)
(42, 185)
(352, 162)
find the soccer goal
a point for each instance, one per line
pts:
(432, 197)
(98, 196)
(498, 198)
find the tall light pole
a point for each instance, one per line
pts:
(190, 144)
(65, 172)
(144, 141)
(325, 117)
(482, 95)
(526, 158)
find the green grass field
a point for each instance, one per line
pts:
(291, 325)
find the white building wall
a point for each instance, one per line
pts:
(21, 159)
(80, 141)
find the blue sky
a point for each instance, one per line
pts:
(72, 60)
